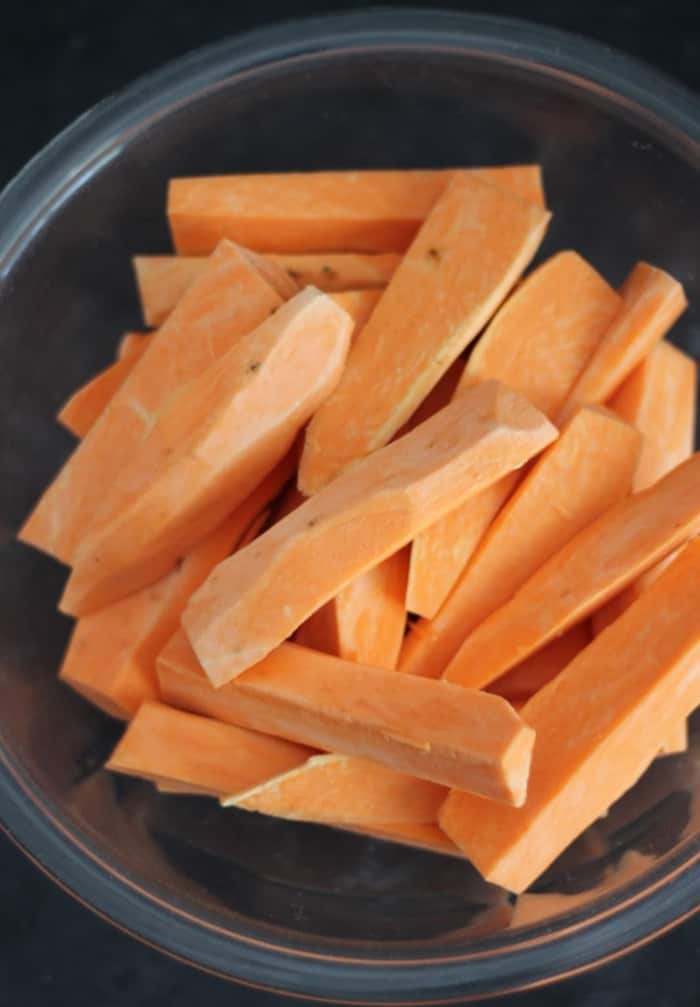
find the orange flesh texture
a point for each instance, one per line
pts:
(538, 343)
(536, 671)
(227, 301)
(85, 406)
(132, 342)
(359, 304)
(472, 248)
(111, 658)
(161, 742)
(598, 724)
(652, 301)
(163, 279)
(365, 621)
(589, 468)
(329, 211)
(278, 277)
(595, 565)
(338, 789)
(432, 730)
(249, 606)
(659, 398)
(220, 435)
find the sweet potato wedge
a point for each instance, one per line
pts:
(444, 291)
(256, 600)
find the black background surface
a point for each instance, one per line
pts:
(56, 60)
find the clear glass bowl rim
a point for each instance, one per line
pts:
(663, 896)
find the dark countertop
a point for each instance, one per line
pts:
(58, 59)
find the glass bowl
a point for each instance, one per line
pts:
(295, 908)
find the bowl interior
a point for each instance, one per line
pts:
(622, 187)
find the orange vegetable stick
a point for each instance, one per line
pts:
(229, 300)
(441, 295)
(163, 279)
(278, 278)
(598, 724)
(540, 668)
(329, 211)
(659, 398)
(589, 468)
(111, 658)
(336, 273)
(433, 730)
(162, 743)
(651, 302)
(85, 406)
(366, 619)
(221, 434)
(338, 789)
(132, 342)
(253, 603)
(538, 343)
(599, 562)
(543, 336)
(359, 304)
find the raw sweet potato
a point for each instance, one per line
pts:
(111, 658)
(132, 342)
(220, 435)
(441, 295)
(596, 564)
(366, 619)
(589, 468)
(163, 279)
(651, 302)
(85, 406)
(227, 301)
(659, 398)
(337, 789)
(161, 743)
(253, 602)
(359, 304)
(598, 724)
(341, 211)
(538, 343)
(433, 730)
